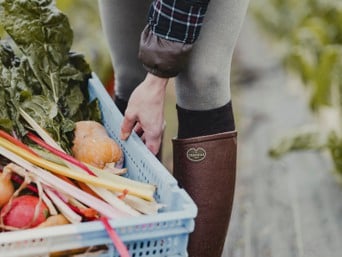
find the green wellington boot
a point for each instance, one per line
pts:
(205, 167)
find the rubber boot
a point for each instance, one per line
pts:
(205, 167)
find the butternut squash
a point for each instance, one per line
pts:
(93, 145)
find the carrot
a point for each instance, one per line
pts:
(87, 189)
(66, 179)
(89, 213)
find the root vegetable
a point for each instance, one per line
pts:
(143, 206)
(6, 187)
(25, 211)
(49, 179)
(54, 220)
(92, 144)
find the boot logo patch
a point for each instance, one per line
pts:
(196, 154)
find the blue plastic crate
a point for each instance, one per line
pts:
(162, 234)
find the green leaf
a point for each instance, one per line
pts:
(334, 145)
(323, 76)
(43, 76)
(44, 35)
(306, 138)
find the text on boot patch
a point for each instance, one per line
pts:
(196, 154)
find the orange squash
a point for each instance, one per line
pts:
(93, 145)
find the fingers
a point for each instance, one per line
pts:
(152, 140)
(138, 129)
(152, 143)
(127, 126)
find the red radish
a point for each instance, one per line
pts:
(21, 212)
(6, 187)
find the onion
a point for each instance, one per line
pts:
(6, 187)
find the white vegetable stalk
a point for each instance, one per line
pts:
(42, 133)
(121, 182)
(143, 206)
(50, 179)
(113, 200)
(76, 203)
(62, 207)
(51, 207)
(106, 195)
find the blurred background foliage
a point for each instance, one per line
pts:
(88, 36)
(308, 34)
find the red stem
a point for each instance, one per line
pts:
(15, 141)
(16, 178)
(120, 246)
(59, 153)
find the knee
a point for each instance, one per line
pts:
(203, 89)
(206, 77)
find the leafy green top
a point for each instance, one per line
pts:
(42, 75)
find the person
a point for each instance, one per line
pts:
(191, 41)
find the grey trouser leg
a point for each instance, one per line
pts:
(122, 22)
(205, 83)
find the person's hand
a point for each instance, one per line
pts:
(145, 112)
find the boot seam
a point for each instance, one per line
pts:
(223, 135)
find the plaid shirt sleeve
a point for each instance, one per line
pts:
(173, 27)
(177, 20)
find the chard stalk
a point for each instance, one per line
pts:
(49, 179)
(139, 188)
(64, 171)
(62, 207)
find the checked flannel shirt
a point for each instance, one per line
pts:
(173, 27)
(179, 21)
